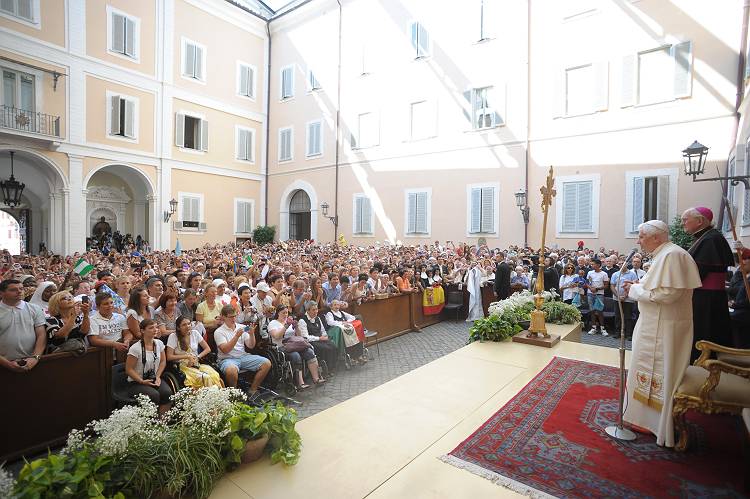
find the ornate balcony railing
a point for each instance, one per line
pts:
(29, 121)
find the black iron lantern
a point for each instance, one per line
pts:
(172, 210)
(12, 189)
(694, 157)
(324, 208)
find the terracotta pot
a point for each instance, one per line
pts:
(254, 449)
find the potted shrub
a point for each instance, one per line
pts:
(253, 428)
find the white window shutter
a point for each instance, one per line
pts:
(115, 115)
(204, 135)
(488, 210)
(25, 10)
(638, 203)
(250, 82)
(250, 147)
(424, 41)
(585, 207)
(358, 214)
(196, 209)
(683, 69)
(179, 130)
(248, 217)
(239, 209)
(130, 118)
(570, 206)
(244, 80)
(286, 83)
(629, 70)
(497, 98)
(241, 152)
(118, 33)
(476, 209)
(663, 198)
(421, 212)
(411, 213)
(199, 63)
(415, 38)
(189, 60)
(130, 37)
(601, 73)
(366, 216)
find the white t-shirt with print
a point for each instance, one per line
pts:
(109, 329)
(597, 280)
(195, 339)
(153, 358)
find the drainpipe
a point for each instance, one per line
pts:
(742, 63)
(268, 119)
(338, 122)
(528, 116)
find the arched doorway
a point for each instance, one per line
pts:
(41, 214)
(299, 216)
(12, 235)
(124, 196)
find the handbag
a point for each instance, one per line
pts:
(296, 344)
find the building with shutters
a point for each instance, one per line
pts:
(412, 121)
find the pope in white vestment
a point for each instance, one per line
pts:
(663, 334)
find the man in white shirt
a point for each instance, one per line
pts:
(598, 280)
(231, 341)
(107, 327)
(23, 335)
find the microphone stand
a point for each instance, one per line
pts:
(618, 431)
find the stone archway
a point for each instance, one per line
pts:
(285, 205)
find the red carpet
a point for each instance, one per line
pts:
(549, 440)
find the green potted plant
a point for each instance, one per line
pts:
(253, 428)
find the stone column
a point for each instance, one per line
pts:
(75, 215)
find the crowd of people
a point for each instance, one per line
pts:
(164, 306)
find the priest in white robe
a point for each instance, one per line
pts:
(663, 334)
(473, 286)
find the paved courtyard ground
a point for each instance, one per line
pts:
(399, 356)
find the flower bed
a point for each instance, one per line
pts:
(507, 317)
(137, 453)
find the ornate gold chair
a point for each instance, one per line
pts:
(712, 386)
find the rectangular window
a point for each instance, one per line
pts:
(245, 144)
(417, 212)
(423, 120)
(243, 215)
(577, 212)
(312, 81)
(287, 82)
(193, 60)
(362, 215)
(123, 34)
(18, 90)
(245, 80)
(487, 19)
(658, 75)
(23, 9)
(650, 200)
(368, 131)
(286, 144)
(579, 85)
(483, 114)
(482, 210)
(314, 139)
(420, 40)
(191, 132)
(190, 207)
(122, 116)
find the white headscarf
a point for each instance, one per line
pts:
(36, 298)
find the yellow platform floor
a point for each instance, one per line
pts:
(385, 443)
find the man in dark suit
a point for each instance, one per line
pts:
(502, 277)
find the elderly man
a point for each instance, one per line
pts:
(661, 345)
(713, 255)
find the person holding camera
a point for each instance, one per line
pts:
(23, 335)
(144, 366)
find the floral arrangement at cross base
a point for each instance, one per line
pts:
(136, 453)
(510, 316)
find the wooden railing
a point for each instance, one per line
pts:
(61, 393)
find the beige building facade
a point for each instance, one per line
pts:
(411, 120)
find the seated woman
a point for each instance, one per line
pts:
(67, 320)
(282, 327)
(183, 347)
(145, 364)
(139, 310)
(167, 315)
(314, 329)
(209, 310)
(337, 317)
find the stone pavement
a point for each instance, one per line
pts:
(397, 356)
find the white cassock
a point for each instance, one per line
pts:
(661, 340)
(473, 281)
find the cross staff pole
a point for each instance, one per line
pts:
(734, 234)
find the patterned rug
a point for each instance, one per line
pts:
(549, 441)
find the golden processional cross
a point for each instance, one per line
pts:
(537, 326)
